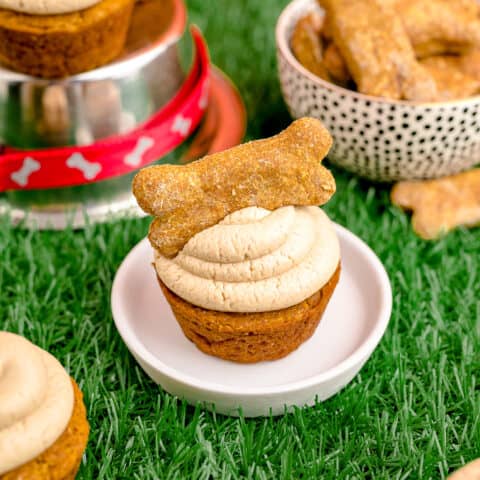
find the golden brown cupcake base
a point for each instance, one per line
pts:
(251, 337)
(55, 46)
(62, 460)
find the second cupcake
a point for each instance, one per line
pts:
(53, 39)
(43, 423)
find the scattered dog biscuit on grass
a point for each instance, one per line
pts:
(440, 205)
(471, 471)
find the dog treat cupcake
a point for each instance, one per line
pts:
(43, 424)
(244, 256)
(58, 38)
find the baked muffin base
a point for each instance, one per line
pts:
(55, 46)
(251, 337)
(62, 460)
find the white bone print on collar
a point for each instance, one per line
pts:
(89, 169)
(181, 125)
(134, 158)
(21, 176)
(203, 102)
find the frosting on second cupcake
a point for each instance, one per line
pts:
(36, 401)
(47, 7)
(255, 260)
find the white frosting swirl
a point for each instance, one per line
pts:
(36, 401)
(255, 260)
(47, 7)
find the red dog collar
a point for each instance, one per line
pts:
(119, 155)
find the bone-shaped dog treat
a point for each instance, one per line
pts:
(450, 77)
(29, 166)
(438, 27)
(374, 43)
(470, 64)
(89, 169)
(440, 205)
(283, 170)
(471, 471)
(307, 44)
(335, 65)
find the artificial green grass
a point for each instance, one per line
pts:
(414, 410)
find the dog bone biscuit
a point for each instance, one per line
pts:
(470, 471)
(307, 44)
(335, 65)
(440, 205)
(470, 64)
(450, 76)
(373, 41)
(440, 26)
(282, 170)
(326, 33)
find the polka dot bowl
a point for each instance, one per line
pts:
(380, 139)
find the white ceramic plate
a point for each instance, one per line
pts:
(351, 328)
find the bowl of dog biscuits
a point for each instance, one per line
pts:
(397, 83)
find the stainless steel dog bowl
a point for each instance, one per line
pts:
(114, 99)
(37, 113)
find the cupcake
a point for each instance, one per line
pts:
(54, 39)
(43, 424)
(244, 256)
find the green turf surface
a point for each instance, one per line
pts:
(413, 412)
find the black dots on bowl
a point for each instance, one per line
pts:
(383, 140)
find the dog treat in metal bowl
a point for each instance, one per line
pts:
(441, 205)
(52, 39)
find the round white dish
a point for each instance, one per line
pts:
(351, 328)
